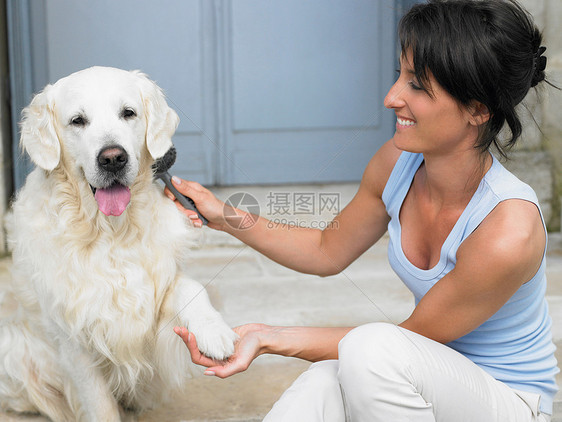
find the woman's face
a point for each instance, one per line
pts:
(429, 124)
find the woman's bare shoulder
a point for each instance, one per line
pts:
(380, 167)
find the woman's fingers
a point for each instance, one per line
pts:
(196, 356)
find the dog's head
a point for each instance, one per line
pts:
(99, 121)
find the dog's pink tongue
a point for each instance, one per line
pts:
(113, 200)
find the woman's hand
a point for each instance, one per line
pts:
(247, 348)
(207, 204)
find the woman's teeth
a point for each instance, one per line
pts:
(403, 122)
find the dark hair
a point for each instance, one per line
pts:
(488, 51)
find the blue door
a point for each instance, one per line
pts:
(267, 91)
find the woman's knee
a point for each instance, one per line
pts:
(373, 360)
(368, 340)
(372, 348)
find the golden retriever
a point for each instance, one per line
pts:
(99, 271)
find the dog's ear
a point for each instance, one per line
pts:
(38, 135)
(161, 120)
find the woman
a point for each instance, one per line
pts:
(466, 237)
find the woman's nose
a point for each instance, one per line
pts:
(393, 98)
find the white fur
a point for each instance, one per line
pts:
(98, 296)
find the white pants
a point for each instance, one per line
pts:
(386, 373)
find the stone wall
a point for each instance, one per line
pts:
(538, 158)
(552, 106)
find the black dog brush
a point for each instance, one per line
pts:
(161, 167)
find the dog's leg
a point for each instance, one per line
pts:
(88, 387)
(214, 338)
(186, 304)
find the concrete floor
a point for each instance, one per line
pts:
(247, 287)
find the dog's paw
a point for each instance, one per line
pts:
(214, 338)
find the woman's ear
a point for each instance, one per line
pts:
(161, 120)
(479, 113)
(38, 135)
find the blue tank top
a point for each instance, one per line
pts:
(515, 345)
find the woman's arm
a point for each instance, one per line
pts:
(360, 224)
(492, 263)
(309, 343)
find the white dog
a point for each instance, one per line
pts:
(98, 257)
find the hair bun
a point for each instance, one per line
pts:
(539, 65)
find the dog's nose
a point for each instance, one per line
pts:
(113, 158)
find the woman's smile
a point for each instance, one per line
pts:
(402, 123)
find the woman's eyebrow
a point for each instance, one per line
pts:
(409, 70)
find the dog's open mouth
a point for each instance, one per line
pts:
(112, 200)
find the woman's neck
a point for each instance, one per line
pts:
(452, 179)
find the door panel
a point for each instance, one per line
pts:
(304, 88)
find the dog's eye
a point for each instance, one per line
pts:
(78, 121)
(128, 113)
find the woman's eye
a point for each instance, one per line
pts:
(128, 113)
(78, 121)
(415, 86)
